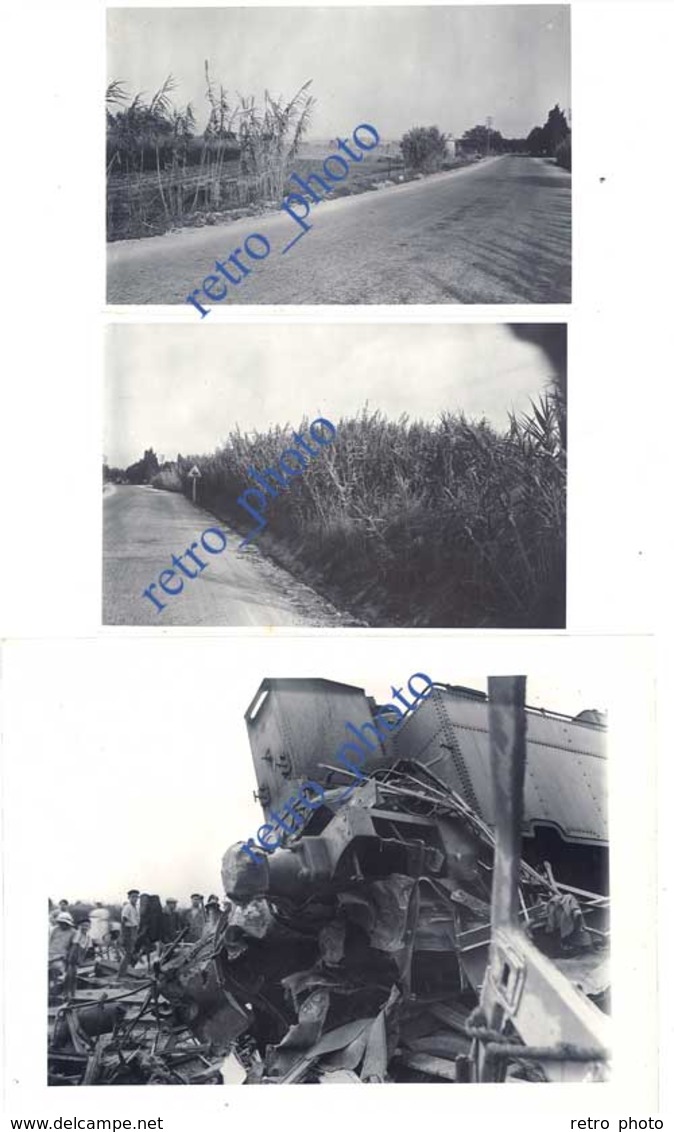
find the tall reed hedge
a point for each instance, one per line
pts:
(160, 174)
(406, 523)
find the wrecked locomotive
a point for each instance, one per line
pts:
(440, 916)
(358, 746)
(365, 949)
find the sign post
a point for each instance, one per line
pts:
(194, 474)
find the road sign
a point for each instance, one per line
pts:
(194, 475)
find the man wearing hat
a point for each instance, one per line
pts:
(130, 925)
(61, 936)
(60, 943)
(196, 918)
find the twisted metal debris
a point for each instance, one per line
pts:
(408, 933)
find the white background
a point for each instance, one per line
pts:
(620, 413)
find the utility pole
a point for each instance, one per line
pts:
(489, 125)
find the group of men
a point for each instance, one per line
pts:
(145, 926)
(145, 923)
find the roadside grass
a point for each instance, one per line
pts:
(453, 524)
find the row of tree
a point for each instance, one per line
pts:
(542, 141)
(424, 148)
(142, 471)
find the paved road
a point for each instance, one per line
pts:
(496, 232)
(143, 528)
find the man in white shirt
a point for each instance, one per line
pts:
(100, 926)
(195, 918)
(130, 924)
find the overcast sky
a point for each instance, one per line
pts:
(136, 769)
(181, 388)
(394, 67)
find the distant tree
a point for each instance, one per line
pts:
(536, 142)
(143, 470)
(551, 140)
(543, 141)
(555, 129)
(480, 139)
(113, 475)
(514, 145)
(424, 148)
(563, 153)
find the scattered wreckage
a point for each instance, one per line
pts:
(448, 921)
(125, 1032)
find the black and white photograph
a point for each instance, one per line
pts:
(374, 154)
(333, 739)
(403, 880)
(335, 476)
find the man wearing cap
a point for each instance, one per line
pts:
(195, 918)
(130, 924)
(172, 925)
(213, 916)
